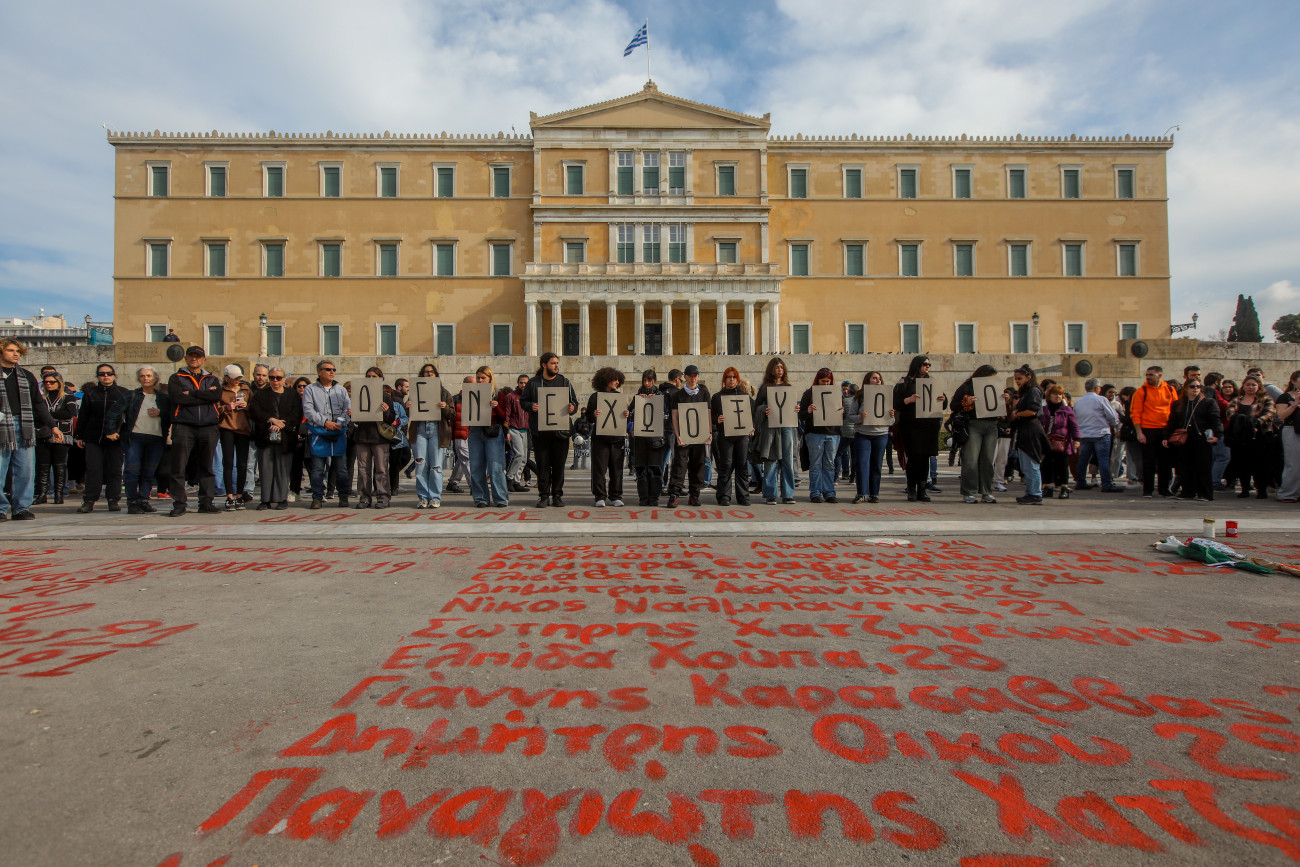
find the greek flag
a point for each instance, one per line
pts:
(641, 38)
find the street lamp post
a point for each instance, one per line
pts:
(1035, 320)
(261, 321)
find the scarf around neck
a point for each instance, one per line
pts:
(9, 439)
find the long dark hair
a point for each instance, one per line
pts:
(914, 369)
(541, 362)
(983, 370)
(771, 366)
(866, 380)
(825, 371)
(1027, 371)
(429, 365)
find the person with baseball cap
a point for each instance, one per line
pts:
(194, 394)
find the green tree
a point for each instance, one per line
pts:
(1287, 328)
(1245, 325)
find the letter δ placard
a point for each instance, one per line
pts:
(827, 406)
(877, 401)
(648, 415)
(426, 393)
(988, 397)
(737, 415)
(784, 406)
(610, 422)
(367, 396)
(928, 404)
(693, 423)
(552, 409)
(476, 404)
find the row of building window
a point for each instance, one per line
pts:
(388, 176)
(651, 250)
(910, 338)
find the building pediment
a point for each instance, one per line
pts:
(649, 109)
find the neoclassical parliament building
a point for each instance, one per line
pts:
(645, 225)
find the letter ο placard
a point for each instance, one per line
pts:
(367, 396)
(988, 397)
(693, 423)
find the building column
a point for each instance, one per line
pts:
(584, 328)
(638, 325)
(530, 329)
(747, 330)
(557, 329)
(720, 347)
(611, 328)
(666, 327)
(776, 325)
(695, 328)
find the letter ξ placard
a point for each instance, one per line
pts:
(737, 415)
(552, 409)
(877, 401)
(476, 404)
(784, 406)
(367, 396)
(610, 421)
(693, 423)
(988, 397)
(828, 409)
(648, 415)
(426, 393)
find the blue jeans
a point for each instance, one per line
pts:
(142, 456)
(1221, 457)
(1033, 475)
(822, 449)
(782, 467)
(1098, 447)
(22, 461)
(487, 467)
(428, 466)
(869, 452)
(341, 482)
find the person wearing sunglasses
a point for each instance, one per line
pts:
(52, 454)
(1195, 425)
(99, 434)
(194, 395)
(21, 412)
(327, 408)
(274, 412)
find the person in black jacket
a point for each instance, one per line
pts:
(692, 458)
(551, 448)
(732, 452)
(919, 436)
(606, 451)
(51, 453)
(372, 455)
(274, 413)
(1199, 416)
(145, 421)
(99, 432)
(194, 394)
(648, 452)
(22, 412)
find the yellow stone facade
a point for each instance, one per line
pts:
(647, 224)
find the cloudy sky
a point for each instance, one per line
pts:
(1227, 74)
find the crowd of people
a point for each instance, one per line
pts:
(227, 438)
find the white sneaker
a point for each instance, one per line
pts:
(600, 504)
(435, 504)
(988, 498)
(423, 504)
(618, 504)
(999, 488)
(969, 499)
(293, 498)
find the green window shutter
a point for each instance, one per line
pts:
(216, 340)
(1073, 260)
(330, 340)
(274, 260)
(158, 181)
(853, 260)
(446, 340)
(1128, 331)
(798, 260)
(446, 260)
(574, 252)
(217, 182)
(1016, 183)
(1070, 184)
(907, 183)
(274, 181)
(677, 180)
(909, 264)
(388, 340)
(275, 340)
(965, 261)
(1019, 260)
(798, 183)
(965, 338)
(911, 338)
(799, 340)
(961, 184)
(387, 260)
(331, 260)
(1128, 260)
(500, 339)
(1124, 184)
(677, 252)
(573, 180)
(216, 260)
(388, 182)
(650, 252)
(727, 252)
(333, 182)
(726, 180)
(501, 182)
(650, 180)
(624, 180)
(501, 260)
(857, 340)
(1020, 338)
(446, 183)
(157, 260)
(157, 333)
(1074, 337)
(853, 183)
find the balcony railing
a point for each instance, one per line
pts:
(704, 270)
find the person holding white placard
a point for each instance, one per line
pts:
(690, 455)
(920, 436)
(487, 451)
(774, 446)
(648, 451)
(551, 447)
(821, 402)
(372, 453)
(871, 410)
(428, 439)
(980, 449)
(608, 432)
(732, 451)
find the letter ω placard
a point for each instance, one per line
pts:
(648, 415)
(737, 415)
(877, 401)
(610, 405)
(552, 409)
(693, 423)
(988, 397)
(784, 406)
(476, 404)
(367, 396)
(426, 393)
(828, 409)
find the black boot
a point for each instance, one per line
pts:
(911, 492)
(60, 478)
(39, 497)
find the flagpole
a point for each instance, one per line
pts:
(647, 50)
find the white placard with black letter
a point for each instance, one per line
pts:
(610, 405)
(367, 396)
(648, 415)
(928, 404)
(476, 404)
(426, 394)
(877, 401)
(737, 415)
(988, 397)
(552, 409)
(826, 405)
(784, 406)
(693, 423)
